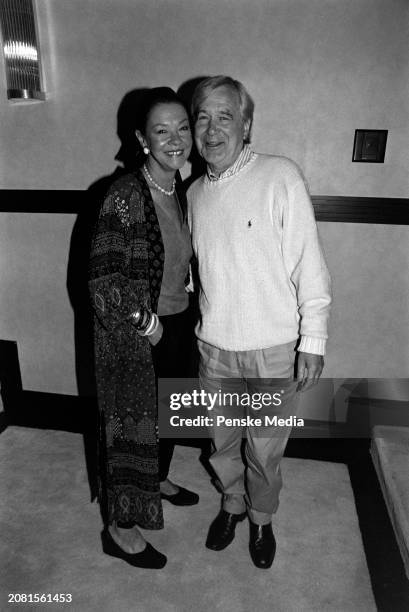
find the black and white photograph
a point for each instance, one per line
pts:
(204, 305)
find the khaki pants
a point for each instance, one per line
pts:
(270, 371)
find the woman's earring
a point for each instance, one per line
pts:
(146, 150)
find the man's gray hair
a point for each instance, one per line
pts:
(208, 85)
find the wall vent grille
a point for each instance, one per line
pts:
(20, 49)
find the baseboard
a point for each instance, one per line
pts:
(55, 411)
(10, 380)
(364, 413)
(3, 421)
(77, 414)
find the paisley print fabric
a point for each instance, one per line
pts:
(125, 271)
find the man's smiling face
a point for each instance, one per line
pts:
(220, 128)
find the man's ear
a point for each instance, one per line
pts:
(246, 130)
(140, 138)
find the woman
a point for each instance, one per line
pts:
(139, 261)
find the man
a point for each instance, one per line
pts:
(265, 292)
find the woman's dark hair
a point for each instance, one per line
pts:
(133, 115)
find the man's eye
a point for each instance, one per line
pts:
(202, 118)
(224, 118)
(161, 131)
(186, 128)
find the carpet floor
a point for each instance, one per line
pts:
(50, 540)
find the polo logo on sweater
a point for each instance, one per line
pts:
(249, 223)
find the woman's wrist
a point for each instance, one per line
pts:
(145, 321)
(147, 324)
(152, 325)
(156, 335)
(141, 319)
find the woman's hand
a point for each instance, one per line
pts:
(157, 335)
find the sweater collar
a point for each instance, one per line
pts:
(245, 156)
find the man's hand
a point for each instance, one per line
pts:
(309, 369)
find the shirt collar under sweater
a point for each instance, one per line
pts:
(246, 155)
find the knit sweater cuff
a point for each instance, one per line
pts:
(308, 344)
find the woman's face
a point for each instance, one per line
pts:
(167, 136)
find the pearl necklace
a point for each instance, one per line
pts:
(168, 193)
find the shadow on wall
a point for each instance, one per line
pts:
(77, 277)
(130, 156)
(185, 92)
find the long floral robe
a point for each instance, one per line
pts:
(126, 267)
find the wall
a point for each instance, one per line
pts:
(369, 331)
(34, 305)
(317, 69)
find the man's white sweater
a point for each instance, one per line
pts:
(262, 273)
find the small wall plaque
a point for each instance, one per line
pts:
(369, 146)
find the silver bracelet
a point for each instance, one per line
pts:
(153, 325)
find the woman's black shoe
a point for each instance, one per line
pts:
(149, 558)
(182, 498)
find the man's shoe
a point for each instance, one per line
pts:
(148, 558)
(262, 545)
(221, 531)
(183, 497)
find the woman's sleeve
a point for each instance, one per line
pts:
(112, 296)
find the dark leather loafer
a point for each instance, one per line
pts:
(222, 530)
(149, 558)
(182, 498)
(262, 545)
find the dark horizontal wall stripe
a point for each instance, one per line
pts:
(68, 201)
(327, 208)
(362, 210)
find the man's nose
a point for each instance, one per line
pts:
(211, 126)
